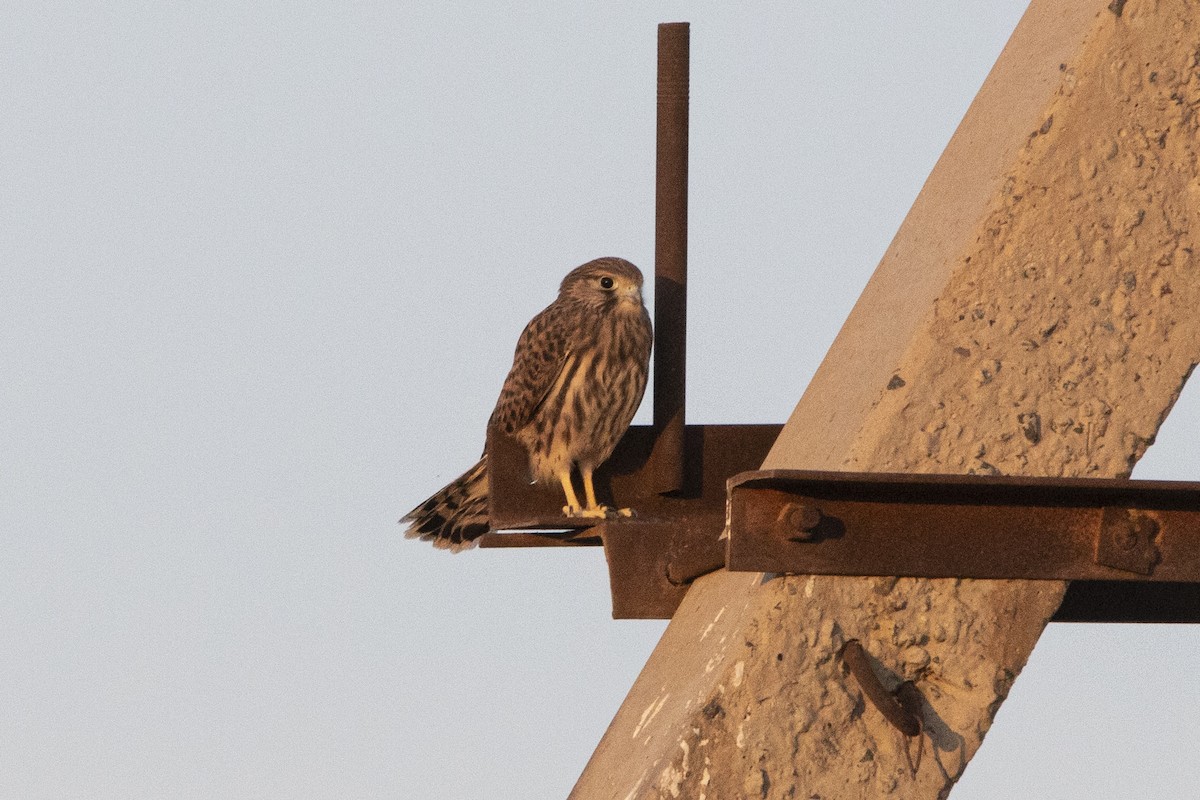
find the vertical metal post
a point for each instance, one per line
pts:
(670, 255)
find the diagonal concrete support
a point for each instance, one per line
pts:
(1035, 314)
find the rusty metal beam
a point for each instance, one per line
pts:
(1131, 548)
(964, 526)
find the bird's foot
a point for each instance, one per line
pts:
(597, 512)
(593, 512)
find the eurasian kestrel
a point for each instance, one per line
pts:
(577, 378)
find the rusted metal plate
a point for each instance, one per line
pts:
(964, 526)
(712, 454)
(673, 538)
(651, 564)
(1127, 540)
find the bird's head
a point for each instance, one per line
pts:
(606, 282)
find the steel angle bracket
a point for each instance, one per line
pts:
(651, 564)
(1133, 546)
(673, 537)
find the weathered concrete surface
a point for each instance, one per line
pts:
(1041, 326)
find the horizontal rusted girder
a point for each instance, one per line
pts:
(1130, 548)
(964, 526)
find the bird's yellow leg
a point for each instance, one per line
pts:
(572, 508)
(594, 509)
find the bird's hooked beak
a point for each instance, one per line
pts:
(632, 294)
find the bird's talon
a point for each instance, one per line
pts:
(596, 512)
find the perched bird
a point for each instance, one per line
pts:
(577, 378)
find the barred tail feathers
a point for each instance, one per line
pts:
(456, 515)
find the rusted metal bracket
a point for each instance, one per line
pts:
(674, 538)
(1130, 548)
(1104, 532)
(652, 564)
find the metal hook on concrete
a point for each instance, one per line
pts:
(902, 709)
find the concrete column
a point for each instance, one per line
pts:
(1035, 314)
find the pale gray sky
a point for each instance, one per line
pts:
(264, 266)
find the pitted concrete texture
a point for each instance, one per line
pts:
(1068, 328)
(1064, 335)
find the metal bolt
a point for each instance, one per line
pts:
(798, 521)
(1126, 538)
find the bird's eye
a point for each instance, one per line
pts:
(606, 282)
